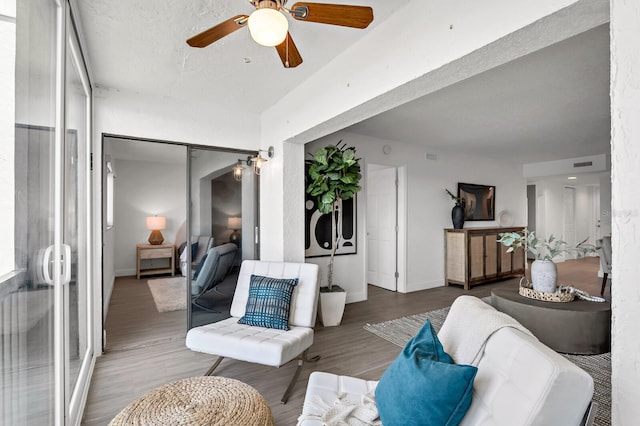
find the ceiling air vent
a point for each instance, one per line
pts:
(583, 164)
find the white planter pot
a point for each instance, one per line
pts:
(332, 307)
(544, 275)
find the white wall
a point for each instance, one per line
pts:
(421, 55)
(145, 189)
(625, 157)
(429, 207)
(7, 126)
(133, 114)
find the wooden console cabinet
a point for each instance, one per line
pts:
(473, 256)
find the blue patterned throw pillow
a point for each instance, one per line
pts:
(269, 302)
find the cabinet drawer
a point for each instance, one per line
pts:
(156, 253)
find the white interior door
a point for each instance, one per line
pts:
(382, 222)
(569, 218)
(596, 214)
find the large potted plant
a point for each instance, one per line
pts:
(544, 272)
(334, 176)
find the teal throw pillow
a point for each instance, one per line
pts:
(269, 302)
(423, 386)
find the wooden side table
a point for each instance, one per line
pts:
(158, 251)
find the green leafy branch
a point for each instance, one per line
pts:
(457, 200)
(543, 249)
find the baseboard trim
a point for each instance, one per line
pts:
(424, 285)
(125, 272)
(355, 297)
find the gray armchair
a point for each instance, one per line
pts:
(205, 242)
(214, 270)
(604, 250)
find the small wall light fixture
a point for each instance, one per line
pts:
(258, 160)
(155, 224)
(238, 169)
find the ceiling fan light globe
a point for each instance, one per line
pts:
(268, 27)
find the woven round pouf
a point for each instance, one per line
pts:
(198, 401)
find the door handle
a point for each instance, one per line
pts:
(66, 264)
(46, 260)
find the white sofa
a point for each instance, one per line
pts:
(520, 381)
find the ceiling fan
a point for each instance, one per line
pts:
(268, 24)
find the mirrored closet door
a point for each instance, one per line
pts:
(223, 213)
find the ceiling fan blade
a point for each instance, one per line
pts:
(289, 53)
(214, 34)
(334, 14)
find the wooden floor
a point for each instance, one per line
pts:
(145, 349)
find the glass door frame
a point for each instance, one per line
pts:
(68, 403)
(76, 392)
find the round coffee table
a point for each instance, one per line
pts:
(208, 400)
(579, 327)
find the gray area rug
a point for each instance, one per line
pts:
(169, 294)
(399, 331)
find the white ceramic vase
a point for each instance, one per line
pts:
(332, 307)
(544, 275)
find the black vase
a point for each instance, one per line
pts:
(457, 216)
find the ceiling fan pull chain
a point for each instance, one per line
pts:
(247, 58)
(286, 54)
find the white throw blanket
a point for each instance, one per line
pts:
(345, 412)
(469, 325)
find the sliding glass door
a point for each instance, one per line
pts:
(45, 317)
(27, 292)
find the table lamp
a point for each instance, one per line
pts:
(235, 223)
(155, 224)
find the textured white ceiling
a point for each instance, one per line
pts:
(551, 104)
(140, 46)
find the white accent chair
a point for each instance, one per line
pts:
(260, 345)
(520, 381)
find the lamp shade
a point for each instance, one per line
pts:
(268, 27)
(234, 223)
(156, 222)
